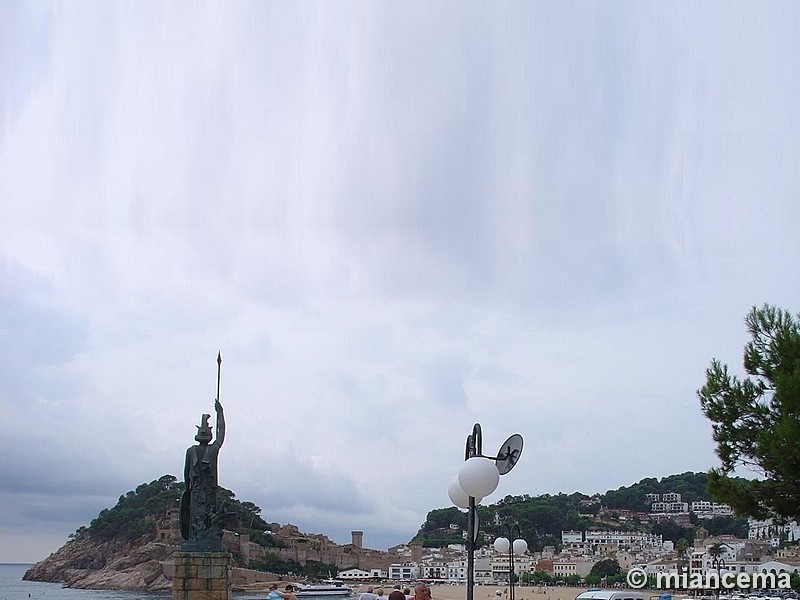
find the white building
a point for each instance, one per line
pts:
(483, 570)
(628, 539)
(407, 571)
(770, 531)
(608, 542)
(567, 567)
(501, 567)
(571, 537)
(354, 575)
(433, 570)
(457, 571)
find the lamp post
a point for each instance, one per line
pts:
(518, 547)
(718, 564)
(477, 478)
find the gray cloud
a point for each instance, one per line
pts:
(395, 221)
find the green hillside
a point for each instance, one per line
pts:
(542, 518)
(136, 512)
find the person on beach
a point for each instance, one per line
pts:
(498, 595)
(274, 594)
(421, 592)
(397, 594)
(368, 595)
(380, 593)
(288, 592)
(407, 593)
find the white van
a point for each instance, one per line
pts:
(611, 594)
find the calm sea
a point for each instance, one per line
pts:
(12, 587)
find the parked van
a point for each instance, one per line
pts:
(611, 594)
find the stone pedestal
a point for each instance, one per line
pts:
(202, 576)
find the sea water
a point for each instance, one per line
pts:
(12, 587)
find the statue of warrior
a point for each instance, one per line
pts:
(200, 519)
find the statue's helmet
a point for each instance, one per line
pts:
(203, 430)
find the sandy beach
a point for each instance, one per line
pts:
(486, 592)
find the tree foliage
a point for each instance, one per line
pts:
(606, 568)
(670, 530)
(313, 569)
(691, 486)
(542, 518)
(756, 420)
(436, 532)
(136, 512)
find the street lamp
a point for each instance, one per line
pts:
(477, 478)
(518, 547)
(718, 564)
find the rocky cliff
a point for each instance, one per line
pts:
(139, 565)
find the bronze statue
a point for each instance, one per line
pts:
(201, 526)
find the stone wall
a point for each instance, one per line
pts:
(202, 576)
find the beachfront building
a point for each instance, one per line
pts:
(501, 567)
(483, 570)
(434, 570)
(566, 567)
(354, 575)
(457, 571)
(407, 571)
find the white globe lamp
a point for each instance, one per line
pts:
(478, 477)
(520, 547)
(501, 545)
(457, 495)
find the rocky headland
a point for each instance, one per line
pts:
(141, 565)
(132, 545)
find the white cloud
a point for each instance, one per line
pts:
(395, 221)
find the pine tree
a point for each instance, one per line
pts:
(756, 420)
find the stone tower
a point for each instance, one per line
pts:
(358, 539)
(700, 537)
(416, 552)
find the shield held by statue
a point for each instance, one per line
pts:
(185, 506)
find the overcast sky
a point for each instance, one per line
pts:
(395, 220)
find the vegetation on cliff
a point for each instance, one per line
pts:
(119, 549)
(542, 518)
(136, 513)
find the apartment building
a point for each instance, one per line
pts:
(501, 566)
(406, 571)
(670, 507)
(596, 542)
(567, 567)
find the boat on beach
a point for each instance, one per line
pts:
(328, 588)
